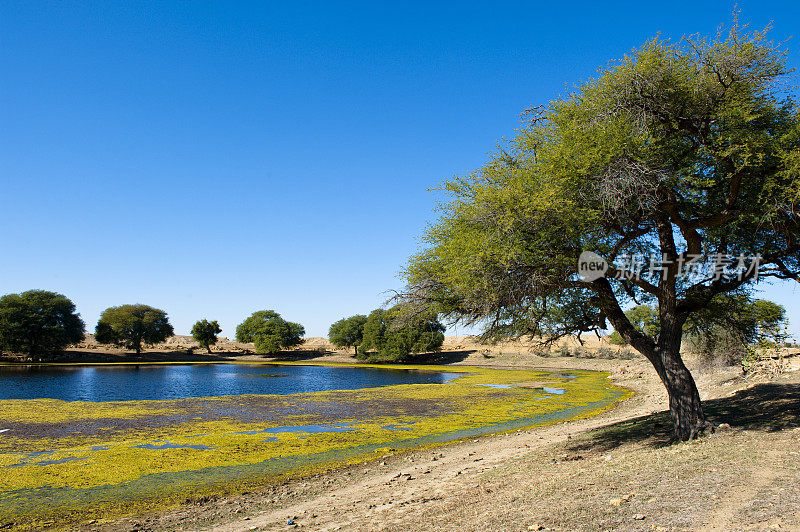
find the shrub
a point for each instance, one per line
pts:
(616, 338)
(605, 352)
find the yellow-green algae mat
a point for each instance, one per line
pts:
(64, 461)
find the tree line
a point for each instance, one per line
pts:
(40, 324)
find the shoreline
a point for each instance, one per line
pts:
(465, 415)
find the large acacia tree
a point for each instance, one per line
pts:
(38, 323)
(680, 150)
(131, 326)
(269, 332)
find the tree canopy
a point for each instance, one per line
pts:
(38, 323)
(392, 335)
(132, 326)
(683, 158)
(269, 332)
(205, 333)
(348, 332)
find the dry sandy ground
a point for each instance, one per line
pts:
(611, 472)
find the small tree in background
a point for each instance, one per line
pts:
(375, 329)
(771, 322)
(643, 317)
(393, 335)
(348, 332)
(729, 330)
(269, 332)
(205, 332)
(130, 326)
(724, 332)
(38, 323)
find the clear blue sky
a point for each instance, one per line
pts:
(217, 158)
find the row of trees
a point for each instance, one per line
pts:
(388, 335)
(39, 323)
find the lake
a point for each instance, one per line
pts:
(133, 382)
(81, 441)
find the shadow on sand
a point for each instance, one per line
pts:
(91, 357)
(766, 407)
(448, 357)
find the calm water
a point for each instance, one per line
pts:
(176, 381)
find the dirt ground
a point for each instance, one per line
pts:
(615, 471)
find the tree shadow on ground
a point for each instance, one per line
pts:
(767, 407)
(441, 357)
(298, 355)
(93, 357)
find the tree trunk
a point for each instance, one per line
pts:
(685, 408)
(355, 347)
(138, 349)
(208, 347)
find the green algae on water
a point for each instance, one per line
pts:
(107, 459)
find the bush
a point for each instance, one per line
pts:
(130, 326)
(38, 323)
(726, 332)
(269, 332)
(606, 352)
(563, 351)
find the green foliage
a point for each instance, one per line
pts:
(723, 332)
(131, 326)
(392, 335)
(269, 332)
(679, 148)
(644, 319)
(616, 338)
(770, 320)
(348, 332)
(205, 332)
(38, 323)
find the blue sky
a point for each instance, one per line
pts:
(217, 158)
